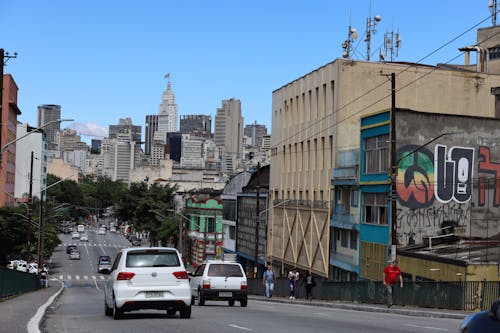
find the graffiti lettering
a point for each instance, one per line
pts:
(488, 167)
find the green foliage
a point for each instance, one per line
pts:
(13, 232)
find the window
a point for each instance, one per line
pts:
(152, 258)
(354, 198)
(353, 243)
(344, 238)
(375, 208)
(232, 232)
(210, 224)
(376, 154)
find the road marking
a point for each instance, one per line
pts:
(77, 277)
(69, 277)
(321, 314)
(427, 327)
(93, 277)
(85, 277)
(240, 327)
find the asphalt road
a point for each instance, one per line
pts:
(80, 308)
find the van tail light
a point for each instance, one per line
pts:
(181, 275)
(205, 284)
(125, 276)
(243, 285)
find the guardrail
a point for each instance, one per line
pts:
(14, 282)
(466, 296)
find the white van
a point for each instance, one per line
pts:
(81, 228)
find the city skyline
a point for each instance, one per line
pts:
(112, 69)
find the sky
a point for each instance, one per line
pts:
(106, 60)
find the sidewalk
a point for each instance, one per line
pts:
(23, 313)
(403, 310)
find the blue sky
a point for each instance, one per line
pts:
(105, 60)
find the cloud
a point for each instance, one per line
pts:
(89, 129)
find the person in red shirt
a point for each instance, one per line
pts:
(391, 274)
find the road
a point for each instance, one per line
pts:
(80, 308)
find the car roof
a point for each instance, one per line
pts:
(139, 248)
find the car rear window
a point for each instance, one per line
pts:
(225, 270)
(152, 258)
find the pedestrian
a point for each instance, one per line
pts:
(391, 274)
(44, 277)
(269, 280)
(293, 277)
(309, 283)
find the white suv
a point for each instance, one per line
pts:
(221, 281)
(147, 278)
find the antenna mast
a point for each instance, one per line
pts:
(391, 45)
(493, 10)
(371, 23)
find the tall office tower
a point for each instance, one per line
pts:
(255, 132)
(200, 125)
(167, 117)
(67, 139)
(151, 128)
(47, 113)
(228, 133)
(126, 123)
(95, 146)
(121, 155)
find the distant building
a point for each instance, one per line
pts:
(120, 156)
(48, 113)
(151, 129)
(255, 132)
(167, 117)
(96, 146)
(228, 134)
(126, 123)
(200, 125)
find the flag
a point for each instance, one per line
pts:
(167, 76)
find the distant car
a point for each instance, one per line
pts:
(84, 238)
(33, 268)
(101, 231)
(104, 265)
(19, 265)
(220, 281)
(112, 229)
(70, 248)
(147, 278)
(74, 254)
(136, 242)
(75, 235)
(483, 322)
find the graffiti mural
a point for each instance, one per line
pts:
(486, 166)
(415, 179)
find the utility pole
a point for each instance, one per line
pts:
(257, 225)
(394, 167)
(30, 202)
(3, 56)
(41, 234)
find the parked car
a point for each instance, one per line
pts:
(221, 281)
(104, 264)
(74, 254)
(483, 322)
(101, 231)
(147, 278)
(69, 248)
(33, 268)
(19, 265)
(75, 235)
(84, 238)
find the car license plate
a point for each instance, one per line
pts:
(154, 294)
(225, 294)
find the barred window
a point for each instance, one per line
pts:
(344, 238)
(375, 208)
(353, 244)
(376, 154)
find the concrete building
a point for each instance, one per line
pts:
(48, 113)
(151, 129)
(228, 134)
(314, 119)
(151, 174)
(120, 155)
(7, 135)
(255, 132)
(67, 140)
(199, 125)
(62, 170)
(36, 143)
(126, 124)
(192, 152)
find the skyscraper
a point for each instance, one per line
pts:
(256, 132)
(151, 128)
(126, 123)
(167, 117)
(47, 113)
(228, 133)
(198, 124)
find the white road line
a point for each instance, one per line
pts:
(321, 314)
(61, 277)
(240, 327)
(85, 277)
(34, 323)
(93, 277)
(77, 277)
(69, 277)
(427, 327)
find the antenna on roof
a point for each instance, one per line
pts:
(392, 43)
(493, 10)
(352, 34)
(371, 23)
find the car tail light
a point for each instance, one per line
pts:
(182, 275)
(125, 276)
(205, 284)
(243, 285)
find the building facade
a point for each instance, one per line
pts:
(167, 116)
(48, 113)
(151, 128)
(199, 125)
(228, 134)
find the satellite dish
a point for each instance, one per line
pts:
(354, 33)
(378, 18)
(345, 54)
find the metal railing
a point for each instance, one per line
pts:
(466, 296)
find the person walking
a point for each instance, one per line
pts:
(44, 277)
(309, 283)
(293, 277)
(391, 274)
(269, 280)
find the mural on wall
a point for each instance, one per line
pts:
(434, 189)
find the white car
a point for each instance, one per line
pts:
(221, 281)
(75, 235)
(101, 231)
(19, 265)
(147, 278)
(84, 238)
(33, 268)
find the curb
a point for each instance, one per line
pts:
(367, 308)
(34, 323)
